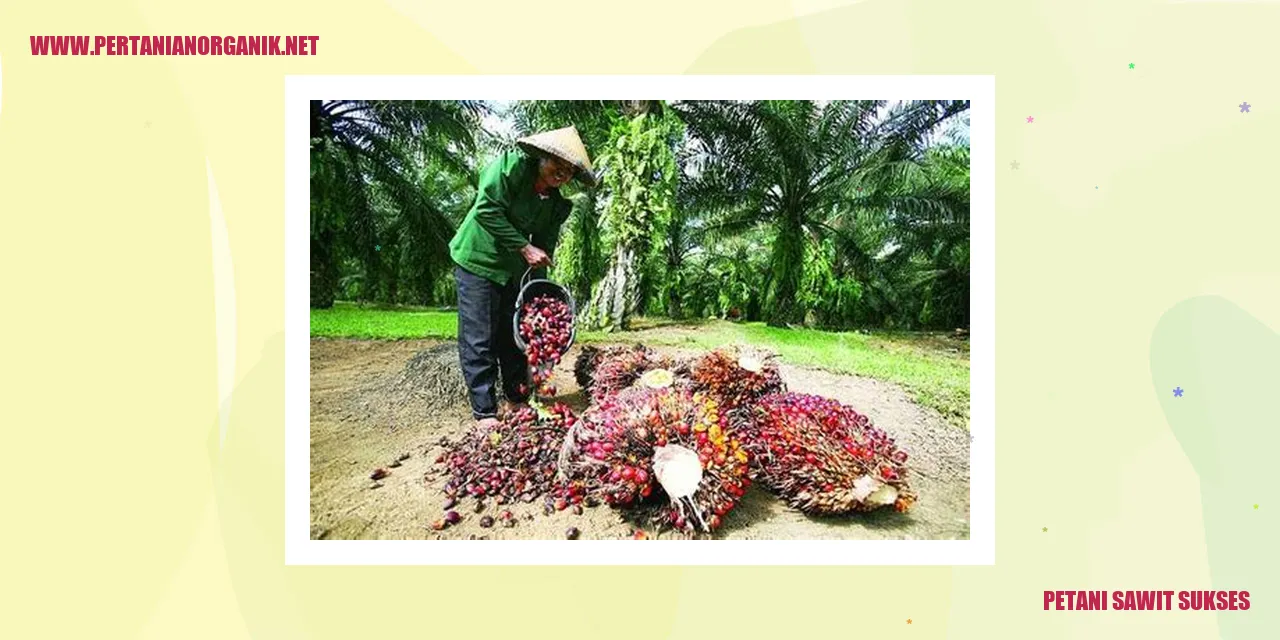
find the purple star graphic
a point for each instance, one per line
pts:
(1177, 392)
(1030, 119)
(1244, 107)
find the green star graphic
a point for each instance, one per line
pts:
(1046, 529)
(1255, 506)
(1130, 65)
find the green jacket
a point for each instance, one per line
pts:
(506, 216)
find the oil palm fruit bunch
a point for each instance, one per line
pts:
(603, 372)
(821, 456)
(665, 452)
(546, 325)
(736, 377)
(515, 460)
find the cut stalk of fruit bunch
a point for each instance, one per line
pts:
(657, 378)
(821, 456)
(664, 453)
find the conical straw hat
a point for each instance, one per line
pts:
(565, 145)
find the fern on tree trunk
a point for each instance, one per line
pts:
(641, 179)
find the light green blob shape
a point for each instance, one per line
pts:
(1228, 365)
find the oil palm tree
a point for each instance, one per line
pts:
(795, 167)
(363, 148)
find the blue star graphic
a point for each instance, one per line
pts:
(1244, 107)
(1177, 392)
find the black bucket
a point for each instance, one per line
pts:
(530, 289)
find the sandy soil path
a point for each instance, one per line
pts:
(374, 401)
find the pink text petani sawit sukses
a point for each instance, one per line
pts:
(1146, 600)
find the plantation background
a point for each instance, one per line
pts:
(833, 215)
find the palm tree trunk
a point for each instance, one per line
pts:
(615, 299)
(324, 270)
(393, 282)
(788, 267)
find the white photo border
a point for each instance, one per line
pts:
(300, 549)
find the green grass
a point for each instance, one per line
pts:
(350, 320)
(933, 368)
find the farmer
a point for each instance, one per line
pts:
(512, 227)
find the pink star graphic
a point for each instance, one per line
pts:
(1030, 119)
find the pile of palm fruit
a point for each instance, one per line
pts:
(725, 408)
(677, 442)
(516, 460)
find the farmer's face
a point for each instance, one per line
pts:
(556, 172)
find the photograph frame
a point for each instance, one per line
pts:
(979, 549)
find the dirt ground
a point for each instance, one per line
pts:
(373, 402)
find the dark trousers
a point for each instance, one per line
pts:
(485, 342)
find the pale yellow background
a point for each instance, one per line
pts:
(126, 514)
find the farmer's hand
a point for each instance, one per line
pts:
(535, 257)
